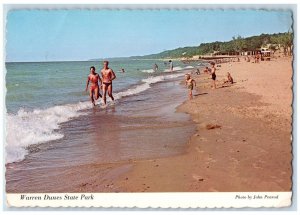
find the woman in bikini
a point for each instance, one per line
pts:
(189, 82)
(94, 78)
(108, 76)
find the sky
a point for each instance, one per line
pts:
(66, 35)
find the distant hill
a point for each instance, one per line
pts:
(237, 44)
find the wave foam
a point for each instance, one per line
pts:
(148, 70)
(189, 67)
(176, 68)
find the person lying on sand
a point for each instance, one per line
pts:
(190, 83)
(94, 78)
(229, 79)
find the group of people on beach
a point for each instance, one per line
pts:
(191, 83)
(97, 83)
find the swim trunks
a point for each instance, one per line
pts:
(213, 76)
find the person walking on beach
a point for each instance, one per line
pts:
(94, 78)
(213, 75)
(108, 76)
(171, 65)
(190, 83)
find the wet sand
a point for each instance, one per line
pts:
(242, 142)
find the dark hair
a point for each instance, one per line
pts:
(106, 61)
(92, 67)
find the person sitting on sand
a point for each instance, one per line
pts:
(213, 75)
(229, 79)
(207, 70)
(108, 76)
(190, 83)
(197, 71)
(94, 78)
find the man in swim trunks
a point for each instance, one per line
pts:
(94, 88)
(108, 76)
(213, 75)
(190, 83)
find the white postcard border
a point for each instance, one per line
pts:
(152, 200)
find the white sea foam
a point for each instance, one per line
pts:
(176, 68)
(38, 126)
(148, 70)
(189, 67)
(42, 125)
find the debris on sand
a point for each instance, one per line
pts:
(211, 126)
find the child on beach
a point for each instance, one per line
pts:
(94, 78)
(229, 79)
(190, 83)
(213, 75)
(206, 70)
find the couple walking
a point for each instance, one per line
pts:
(108, 76)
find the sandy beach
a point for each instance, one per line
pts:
(251, 151)
(242, 142)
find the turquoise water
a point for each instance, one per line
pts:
(46, 84)
(43, 95)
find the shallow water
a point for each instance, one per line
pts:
(42, 97)
(143, 126)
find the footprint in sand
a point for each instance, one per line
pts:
(198, 177)
(199, 150)
(211, 160)
(256, 166)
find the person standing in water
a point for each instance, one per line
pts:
(213, 75)
(171, 65)
(155, 67)
(94, 78)
(190, 83)
(108, 76)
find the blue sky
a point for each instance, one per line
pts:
(58, 35)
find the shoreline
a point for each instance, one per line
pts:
(250, 151)
(240, 162)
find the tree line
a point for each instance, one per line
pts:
(237, 44)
